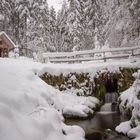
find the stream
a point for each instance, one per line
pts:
(102, 125)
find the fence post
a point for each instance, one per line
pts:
(104, 57)
(44, 60)
(132, 52)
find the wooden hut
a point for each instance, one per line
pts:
(6, 44)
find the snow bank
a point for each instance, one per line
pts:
(43, 124)
(130, 100)
(32, 110)
(124, 127)
(88, 67)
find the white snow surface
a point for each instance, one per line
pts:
(124, 127)
(32, 110)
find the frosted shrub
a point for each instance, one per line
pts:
(130, 101)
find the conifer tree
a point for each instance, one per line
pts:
(62, 39)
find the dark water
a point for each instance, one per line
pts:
(101, 126)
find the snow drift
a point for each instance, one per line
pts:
(32, 110)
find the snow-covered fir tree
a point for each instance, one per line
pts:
(52, 29)
(31, 24)
(75, 21)
(38, 26)
(62, 36)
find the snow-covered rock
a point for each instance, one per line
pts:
(124, 127)
(135, 132)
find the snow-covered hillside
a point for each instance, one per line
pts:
(32, 110)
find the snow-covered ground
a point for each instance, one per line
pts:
(130, 100)
(32, 110)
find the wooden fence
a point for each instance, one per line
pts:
(91, 55)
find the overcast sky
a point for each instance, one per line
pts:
(55, 3)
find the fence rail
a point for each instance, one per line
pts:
(91, 55)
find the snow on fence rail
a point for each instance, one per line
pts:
(89, 55)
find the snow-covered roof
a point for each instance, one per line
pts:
(8, 38)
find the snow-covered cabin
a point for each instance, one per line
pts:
(6, 44)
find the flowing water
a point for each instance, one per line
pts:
(102, 125)
(111, 97)
(106, 108)
(111, 104)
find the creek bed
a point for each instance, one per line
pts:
(101, 126)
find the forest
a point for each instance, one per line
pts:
(79, 25)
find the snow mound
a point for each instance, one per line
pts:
(32, 110)
(124, 127)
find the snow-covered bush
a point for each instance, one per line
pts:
(77, 83)
(90, 82)
(130, 100)
(14, 53)
(128, 97)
